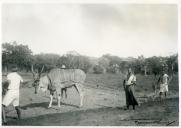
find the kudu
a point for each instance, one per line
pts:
(36, 79)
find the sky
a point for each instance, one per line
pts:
(93, 29)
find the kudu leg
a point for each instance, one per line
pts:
(59, 99)
(81, 94)
(51, 100)
(59, 96)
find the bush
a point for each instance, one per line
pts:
(98, 69)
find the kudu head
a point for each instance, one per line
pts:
(36, 78)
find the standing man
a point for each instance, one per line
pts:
(12, 94)
(163, 81)
(129, 84)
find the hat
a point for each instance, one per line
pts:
(63, 67)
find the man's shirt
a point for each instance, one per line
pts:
(15, 80)
(165, 79)
(131, 79)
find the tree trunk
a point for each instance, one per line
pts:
(145, 69)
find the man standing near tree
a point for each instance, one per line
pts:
(163, 82)
(129, 84)
(12, 95)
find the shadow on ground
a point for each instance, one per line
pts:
(68, 118)
(154, 113)
(45, 105)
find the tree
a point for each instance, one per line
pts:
(155, 64)
(143, 64)
(172, 62)
(104, 62)
(112, 63)
(75, 62)
(14, 54)
(98, 69)
(47, 60)
(123, 66)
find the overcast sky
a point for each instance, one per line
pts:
(93, 29)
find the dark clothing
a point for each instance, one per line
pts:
(130, 95)
(5, 85)
(130, 92)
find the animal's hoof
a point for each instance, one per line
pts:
(49, 106)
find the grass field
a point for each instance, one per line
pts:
(103, 103)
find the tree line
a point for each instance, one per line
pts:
(23, 57)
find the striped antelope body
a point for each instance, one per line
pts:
(58, 79)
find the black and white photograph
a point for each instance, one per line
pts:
(89, 64)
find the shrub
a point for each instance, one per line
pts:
(98, 69)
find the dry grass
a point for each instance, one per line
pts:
(104, 98)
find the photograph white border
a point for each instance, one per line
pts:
(177, 2)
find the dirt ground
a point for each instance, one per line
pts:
(149, 114)
(102, 106)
